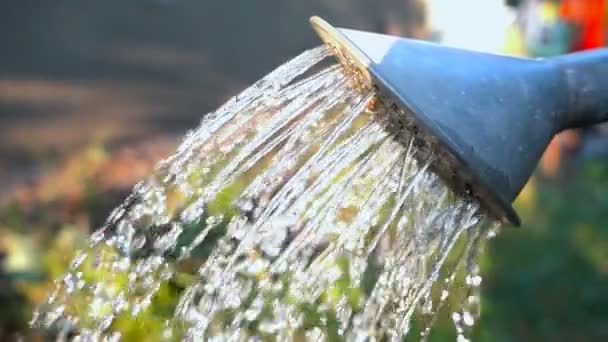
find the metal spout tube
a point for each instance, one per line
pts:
(586, 77)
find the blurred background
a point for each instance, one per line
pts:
(93, 93)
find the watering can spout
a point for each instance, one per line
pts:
(488, 117)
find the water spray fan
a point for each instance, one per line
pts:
(488, 118)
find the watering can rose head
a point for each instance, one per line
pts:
(486, 117)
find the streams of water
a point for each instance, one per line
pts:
(290, 213)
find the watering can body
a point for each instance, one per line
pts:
(492, 114)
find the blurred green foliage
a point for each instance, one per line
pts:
(548, 280)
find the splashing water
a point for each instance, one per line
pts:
(290, 213)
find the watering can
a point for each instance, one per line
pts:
(487, 117)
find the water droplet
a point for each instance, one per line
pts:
(473, 280)
(468, 319)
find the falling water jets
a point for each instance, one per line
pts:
(289, 213)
